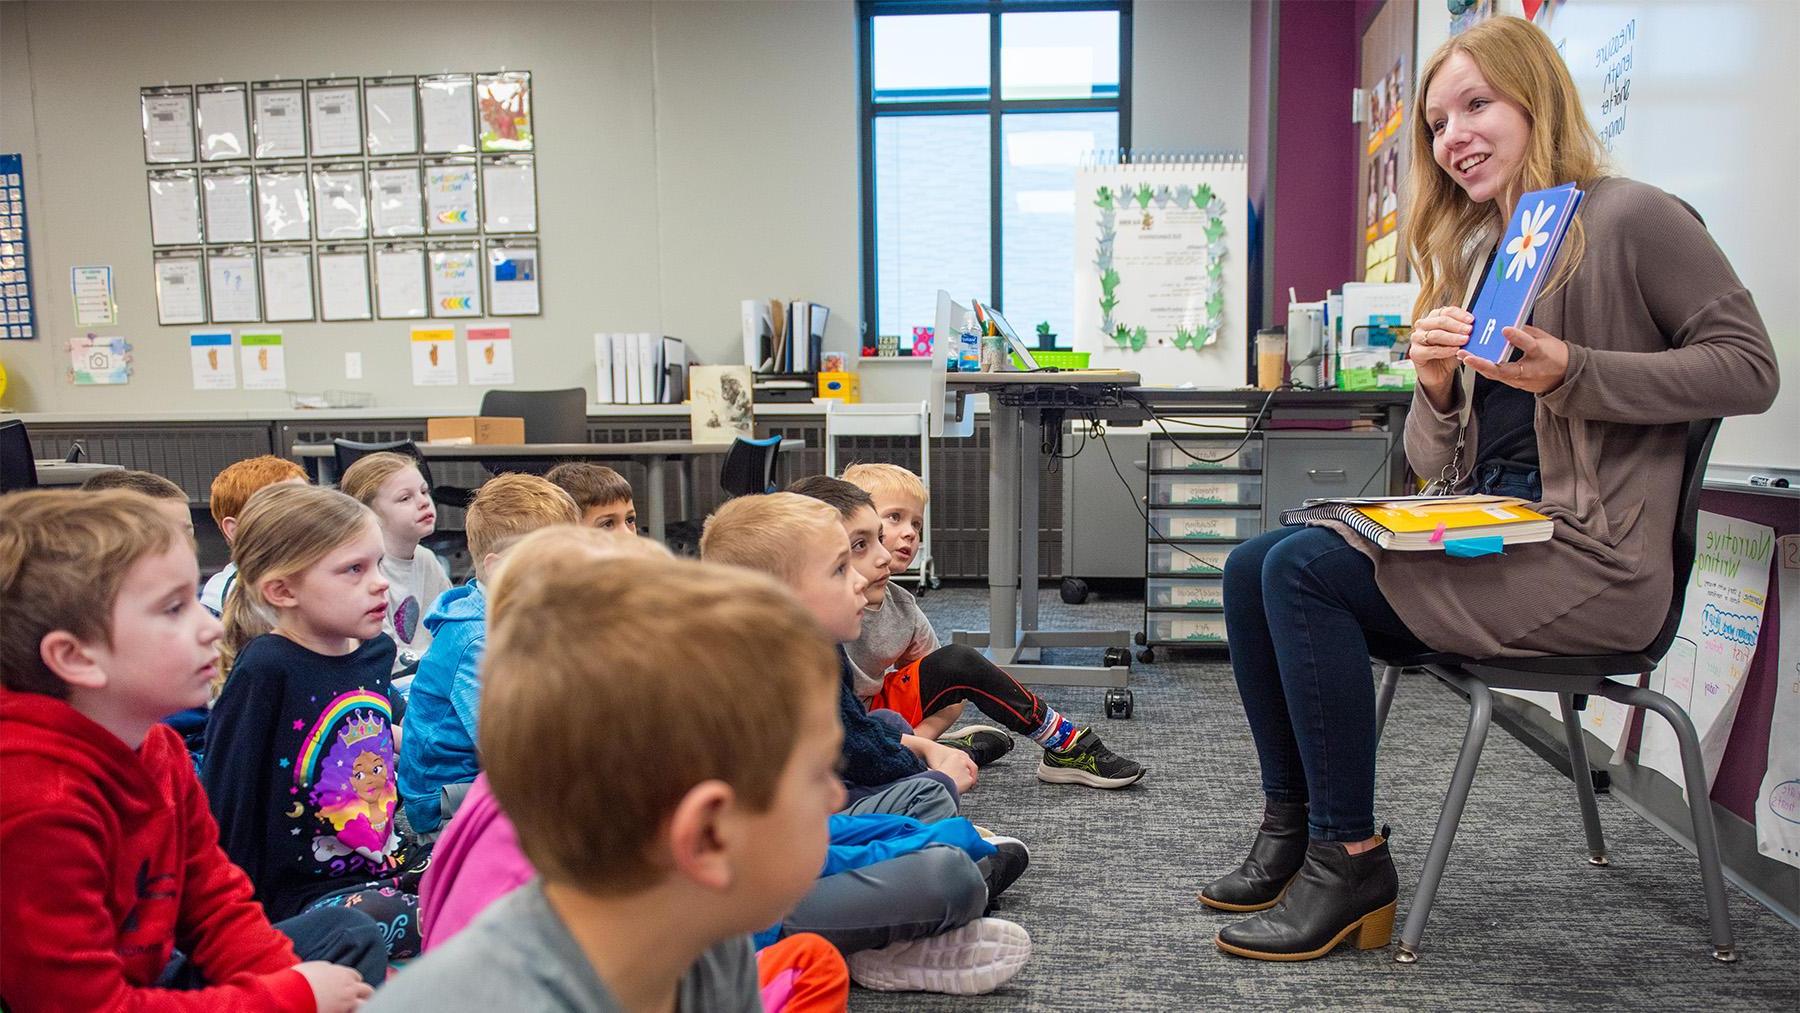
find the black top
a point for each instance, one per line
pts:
(872, 753)
(299, 770)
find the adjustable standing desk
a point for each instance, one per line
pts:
(1020, 405)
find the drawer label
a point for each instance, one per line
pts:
(1205, 492)
(1196, 596)
(1203, 526)
(1198, 629)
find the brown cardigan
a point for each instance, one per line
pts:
(1660, 332)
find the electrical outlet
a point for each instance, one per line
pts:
(352, 365)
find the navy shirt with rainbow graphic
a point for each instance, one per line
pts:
(299, 770)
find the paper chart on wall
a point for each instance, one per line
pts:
(174, 207)
(168, 124)
(450, 203)
(334, 117)
(513, 279)
(434, 356)
(393, 117)
(231, 285)
(1721, 621)
(280, 121)
(340, 208)
(209, 354)
(490, 351)
(344, 283)
(399, 282)
(286, 207)
(230, 205)
(224, 119)
(396, 204)
(99, 360)
(447, 113)
(180, 291)
(510, 186)
(456, 282)
(287, 285)
(264, 360)
(504, 101)
(1778, 800)
(93, 292)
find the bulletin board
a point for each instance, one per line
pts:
(1383, 155)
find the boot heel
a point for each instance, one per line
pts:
(1377, 929)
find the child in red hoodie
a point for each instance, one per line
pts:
(113, 891)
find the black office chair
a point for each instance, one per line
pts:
(1573, 680)
(551, 416)
(18, 468)
(348, 452)
(749, 466)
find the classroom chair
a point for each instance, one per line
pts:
(1573, 679)
(749, 466)
(18, 469)
(906, 418)
(551, 416)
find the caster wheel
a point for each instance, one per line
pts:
(933, 579)
(1147, 655)
(1139, 637)
(1118, 704)
(1074, 590)
(1116, 657)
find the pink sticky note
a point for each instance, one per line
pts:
(1438, 534)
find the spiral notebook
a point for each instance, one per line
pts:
(1425, 523)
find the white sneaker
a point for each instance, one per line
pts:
(972, 960)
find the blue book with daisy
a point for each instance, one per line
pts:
(1523, 260)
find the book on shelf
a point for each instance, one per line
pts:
(1425, 523)
(1521, 263)
(640, 368)
(783, 337)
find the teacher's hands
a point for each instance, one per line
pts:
(1436, 341)
(1540, 367)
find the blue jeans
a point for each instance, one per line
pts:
(1301, 609)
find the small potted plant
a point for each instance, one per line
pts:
(1046, 338)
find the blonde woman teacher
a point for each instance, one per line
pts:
(1643, 328)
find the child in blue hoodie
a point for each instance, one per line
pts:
(437, 751)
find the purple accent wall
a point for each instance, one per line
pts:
(1747, 752)
(1262, 15)
(1313, 189)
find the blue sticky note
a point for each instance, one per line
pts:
(1469, 548)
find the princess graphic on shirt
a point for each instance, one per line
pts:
(356, 793)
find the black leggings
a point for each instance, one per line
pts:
(958, 674)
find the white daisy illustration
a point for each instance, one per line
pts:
(1524, 246)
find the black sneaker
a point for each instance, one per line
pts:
(983, 743)
(1002, 868)
(1088, 761)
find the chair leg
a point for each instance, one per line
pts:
(1706, 836)
(1583, 777)
(1384, 697)
(1481, 712)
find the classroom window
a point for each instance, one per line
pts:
(975, 116)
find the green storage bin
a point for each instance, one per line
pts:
(1061, 360)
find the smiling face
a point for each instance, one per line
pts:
(368, 776)
(829, 587)
(163, 651)
(343, 595)
(902, 526)
(1478, 135)
(867, 555)
(403, 504)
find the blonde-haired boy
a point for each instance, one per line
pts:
(898, 665)
(694, 823)
(437, 753)
(231, 489)
(600, 493)
(109, 855)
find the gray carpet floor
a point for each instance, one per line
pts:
(1521, 921)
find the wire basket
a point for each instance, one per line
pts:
(1059, 359)
(332, 399)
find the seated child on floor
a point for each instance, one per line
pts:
(600, 493)
(898, 664)
(108, 855)
(913, 922)
(169, 498)
(390, 485)
(662, 840)
(300, 750)
(444, 704)
(231, 489)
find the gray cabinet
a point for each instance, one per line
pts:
(1313, 465)
(1103, 528)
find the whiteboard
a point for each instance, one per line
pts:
(1698, 97)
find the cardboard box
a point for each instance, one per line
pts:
(467, 429)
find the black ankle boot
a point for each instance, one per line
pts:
(1335, 896)
(1275, 855)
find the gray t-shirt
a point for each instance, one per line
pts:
(518, 956)
(413, 585)
(893, 635)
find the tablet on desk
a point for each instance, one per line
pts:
(1012, 340)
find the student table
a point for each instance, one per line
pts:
(67, 473)
(654, 453)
